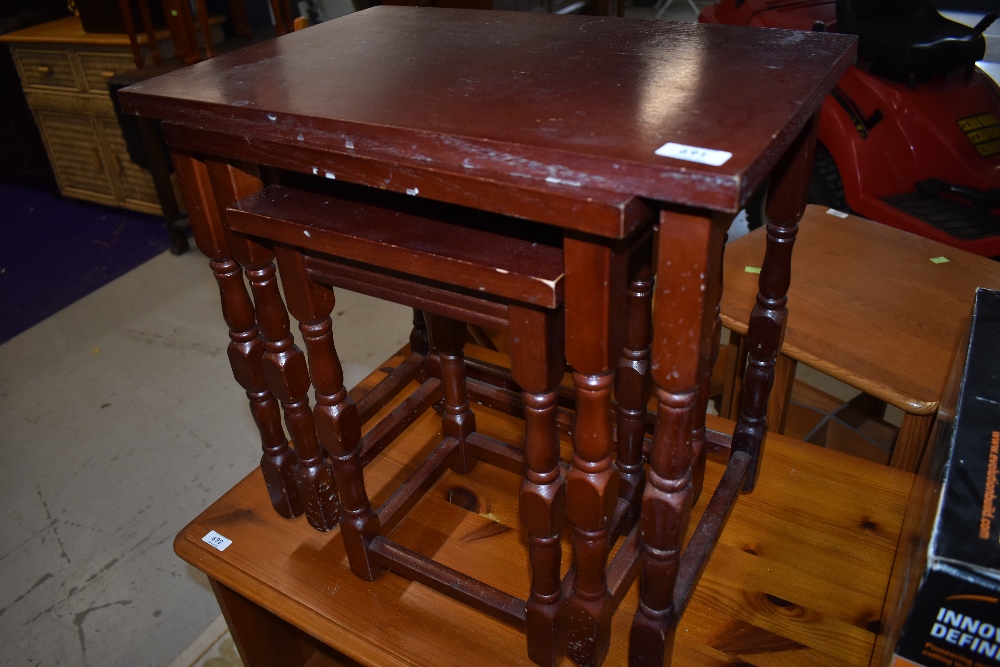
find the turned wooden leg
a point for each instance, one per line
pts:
(284, 365)
(246, 348)
(537, 364)
(282, 16)
(633, 387)
(710, 344)
(337, 423)
(596, 281)
(448, 338)
(689, 248)
(786, 200)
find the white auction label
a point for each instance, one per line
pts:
(834, 212)
(217, 541)
(694, 154)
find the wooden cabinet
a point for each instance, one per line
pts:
(64, 73)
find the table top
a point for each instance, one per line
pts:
(867, 305)
(799, 576)
(574, 104)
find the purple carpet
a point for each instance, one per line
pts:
(54, 251)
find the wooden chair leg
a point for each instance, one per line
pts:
(537, 365)
(246, 347)
(337, 423)
(238, 14)
(284, 364)
(633, 388)
(448, 338)
(151, 42)
(280, 25)
(694, 243)
(126, 12)
(206, 30)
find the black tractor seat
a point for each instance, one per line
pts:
(908, 40)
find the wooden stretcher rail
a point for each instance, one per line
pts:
(699, 549)
(407, 412)
(496, 452)
(454, 584)
(409, 493)
(390, 386)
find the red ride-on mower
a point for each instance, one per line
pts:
(910, 136)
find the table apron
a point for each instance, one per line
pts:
(590, 211)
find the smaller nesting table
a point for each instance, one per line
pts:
(869, 307)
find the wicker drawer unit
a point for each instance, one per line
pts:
(64, 73)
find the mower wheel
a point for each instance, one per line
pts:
(755, 208)
(826, 189)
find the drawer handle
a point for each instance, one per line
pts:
(45, 70)
(107, 74)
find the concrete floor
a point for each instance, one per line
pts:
(121, 422)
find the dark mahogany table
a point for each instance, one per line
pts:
(600, 127)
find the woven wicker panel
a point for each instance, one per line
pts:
(47, 69)
(136, 183)
(76, 155)
(77, 104)
(99, 67)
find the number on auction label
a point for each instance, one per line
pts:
(217, 541)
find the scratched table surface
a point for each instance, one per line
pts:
(572, 104)
(798, 578)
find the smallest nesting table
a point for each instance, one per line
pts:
(871, 306)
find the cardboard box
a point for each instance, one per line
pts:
(943, 604)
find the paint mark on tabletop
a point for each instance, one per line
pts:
(562, 181)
